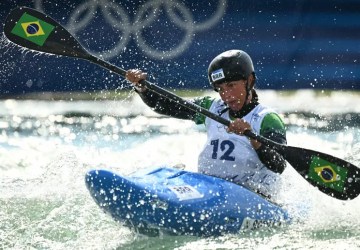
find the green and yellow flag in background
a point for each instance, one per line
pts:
(32, 29)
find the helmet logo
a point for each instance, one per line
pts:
(217, 75)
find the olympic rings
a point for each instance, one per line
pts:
(115, 15)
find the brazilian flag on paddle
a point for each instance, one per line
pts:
(32, 29)
(328, 174)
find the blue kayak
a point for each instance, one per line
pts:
(179, 202)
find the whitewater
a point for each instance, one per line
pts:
(47, 146)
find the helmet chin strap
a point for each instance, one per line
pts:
(248, 90)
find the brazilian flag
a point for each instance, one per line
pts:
(32, 29)
(328, 174)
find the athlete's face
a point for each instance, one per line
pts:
(233, 94)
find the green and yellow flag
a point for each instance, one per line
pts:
(328, 174)
(32, 29)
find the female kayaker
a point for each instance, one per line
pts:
(227, 154)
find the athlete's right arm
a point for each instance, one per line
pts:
(163, 105)
(166, 106)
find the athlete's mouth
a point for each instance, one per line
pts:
(233, 102)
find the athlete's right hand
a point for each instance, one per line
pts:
(135, 76)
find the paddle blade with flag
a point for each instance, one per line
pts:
(331, 175)
(32, 29)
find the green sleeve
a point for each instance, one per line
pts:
(273, 128)
(272, 125)
(204, 102)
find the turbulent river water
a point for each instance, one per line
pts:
(46, 148)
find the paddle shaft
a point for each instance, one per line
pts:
(181, 101)
(161, 91)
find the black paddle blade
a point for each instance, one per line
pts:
(34, 30)
(333, 176)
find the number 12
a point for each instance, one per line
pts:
(226, 147)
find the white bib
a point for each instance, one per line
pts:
(232, 157)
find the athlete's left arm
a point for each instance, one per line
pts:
(273, 128)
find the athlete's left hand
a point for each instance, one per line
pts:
(239, 126)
